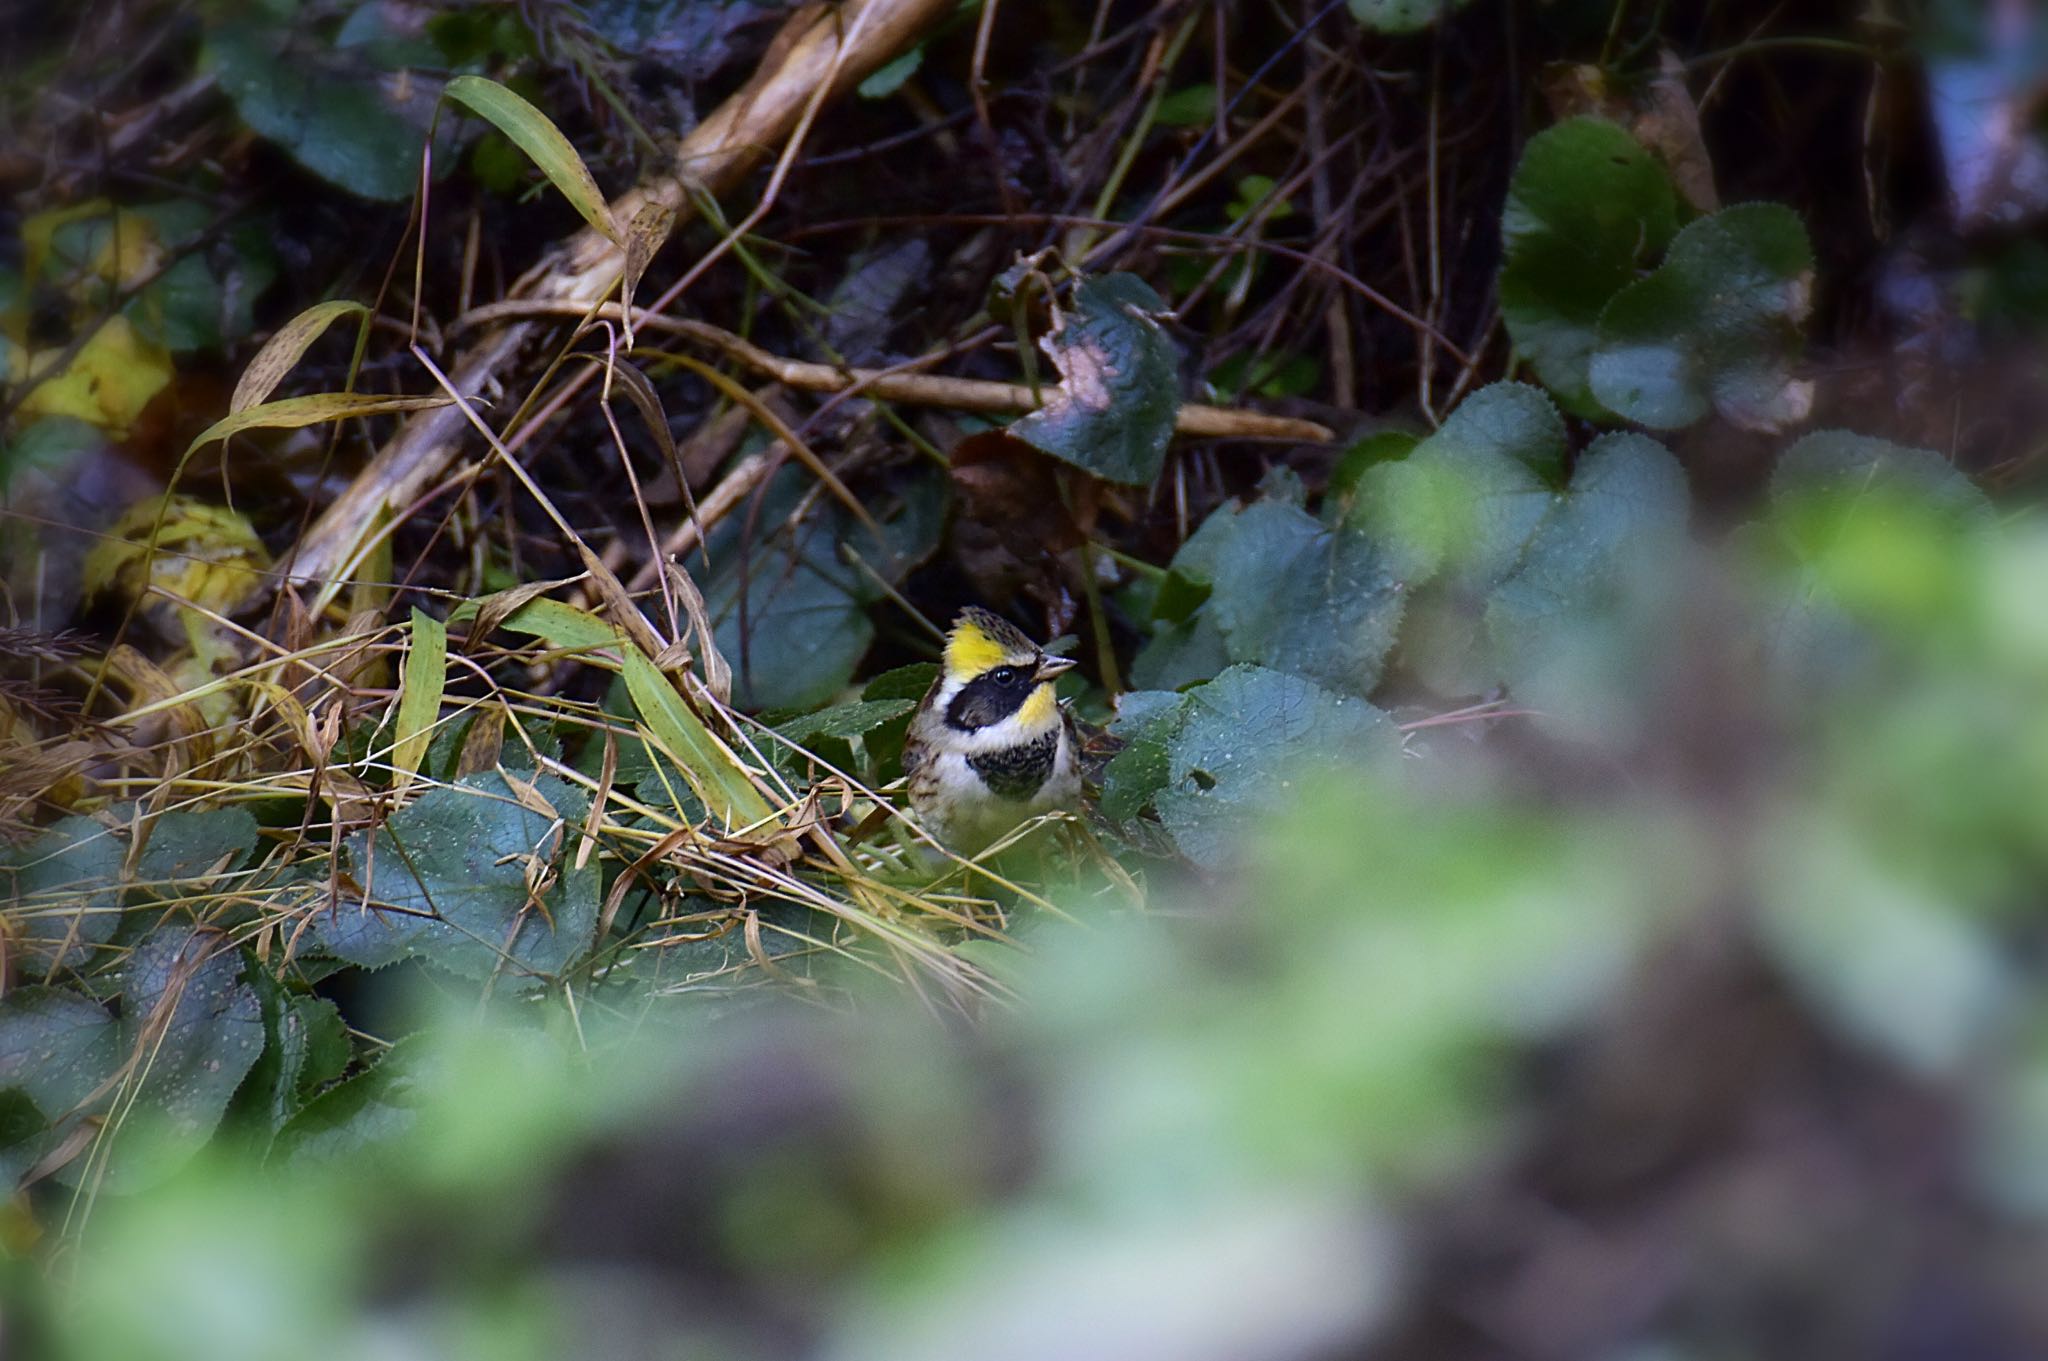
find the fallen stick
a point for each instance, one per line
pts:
(895, 385)
(805, 63)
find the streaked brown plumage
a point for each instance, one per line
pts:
(990, 744)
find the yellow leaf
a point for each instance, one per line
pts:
(127, 252)
(205, 553)
(107, 383)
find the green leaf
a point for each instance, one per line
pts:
(1296, 596)
(1625, 511)
(66, 892)
(1401, 16)
(472, 879)
(712, 771)
(194, 843)
(305, 1046)
(1833, 477)
(1243, 741)
(793, 634)
(1864, 533)
(1587, 210)
(554, 622)
(198, 1029)
(56, 1049)
(1716, 328)
(852, 719)
(1113, 411)
(903, 682)
(56, 1046)
(1147, 721)
(540, 139)
(1466, 499)
(1340, 492)
(1192, 575)
(206, 297)
(419, 695)
(1180, 654)
(1190, 106)
(789, 610)
(54, 445)
(883, 745)
(25, 1136)
(888, 78)
(336, 117)
(369, 1109)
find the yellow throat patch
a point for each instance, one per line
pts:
(970, 651)
(1040, 708)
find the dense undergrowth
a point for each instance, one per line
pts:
(1542, 495)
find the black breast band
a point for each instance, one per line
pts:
(1017, 772)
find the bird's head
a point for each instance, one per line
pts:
(997, 684)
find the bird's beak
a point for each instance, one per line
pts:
(1050, 667)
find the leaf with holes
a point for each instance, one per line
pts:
(1112, 414)
(1244, 739)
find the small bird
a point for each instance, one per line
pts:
(990, 745)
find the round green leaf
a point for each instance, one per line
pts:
(1587, 210)
(1242, 741)
(1716, 328)
(1295, 595)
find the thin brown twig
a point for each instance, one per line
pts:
(924, 389)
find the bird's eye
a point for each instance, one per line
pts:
(1004, 675)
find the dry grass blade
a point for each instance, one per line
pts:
(284, 350)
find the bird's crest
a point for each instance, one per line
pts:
(981, 641)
